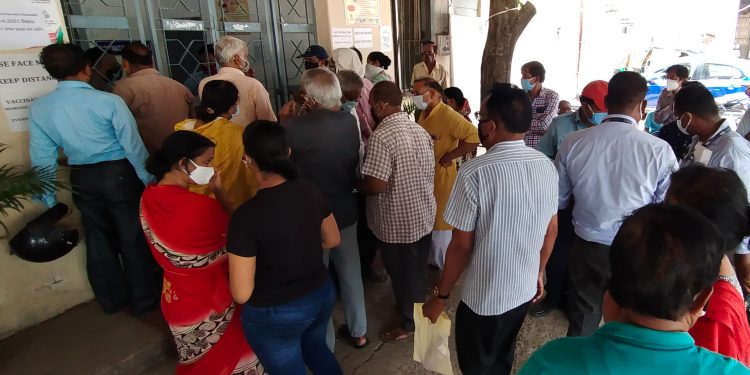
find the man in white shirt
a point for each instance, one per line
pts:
(429, 67)
(502, 237)
(714, 145)
(611, 169)
(254, 103)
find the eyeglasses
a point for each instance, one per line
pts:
(479, 117)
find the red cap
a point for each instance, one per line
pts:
(596, 91)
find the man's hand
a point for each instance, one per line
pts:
(433, 308)
(446, 160)
(539, 289)
(288, 111)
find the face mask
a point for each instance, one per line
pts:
(371, 71)
(245, 65)
(348, 106)
(526, 84)
(201, 175)
(310, 65)
(598, 117)
(420, 102)
(672, 85)
(236, 113)
(683, 129)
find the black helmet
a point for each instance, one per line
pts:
(40, 241)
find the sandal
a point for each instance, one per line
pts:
(396, 335)
(358, 342)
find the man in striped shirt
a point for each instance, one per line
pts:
(504, 211)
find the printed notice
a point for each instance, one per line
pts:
(386, 39)
(362, 12)
(21, 27)
(341, 38)
(52, 13)
(23, 79)
(16, 108)
(363, 37)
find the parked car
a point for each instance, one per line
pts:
(725, 78)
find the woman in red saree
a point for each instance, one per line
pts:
(187, 234)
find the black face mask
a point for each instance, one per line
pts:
(310, 65)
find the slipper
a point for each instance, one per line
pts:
(343, 331)
(396, 335)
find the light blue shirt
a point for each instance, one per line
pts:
(611, 169)
(619, 348)
(90, 126)
(560, 129)
(729, 150)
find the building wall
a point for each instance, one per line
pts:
(330, 14)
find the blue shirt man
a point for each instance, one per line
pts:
(97, 133)
(90, 126)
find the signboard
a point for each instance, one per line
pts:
(114, 47)
(23, 79)
(386, 39)
(21, 27)
(341, 37)
(362, 12)
(363, 37)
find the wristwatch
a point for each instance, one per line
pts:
(436, 293)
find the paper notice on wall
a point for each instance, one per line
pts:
(22, 80)
(363, 37)
(53, 19)
(386, 39)
(21, 27)
(341, 37)
(362, 12)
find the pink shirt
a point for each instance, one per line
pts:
(254, 102)
(366, 122)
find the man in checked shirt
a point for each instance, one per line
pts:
(544, 102)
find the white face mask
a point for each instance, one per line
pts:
(246, 65)
(672, 85)
(371, 71)
(236, 113)
(420, 102)
(683, 129)
(201, 175)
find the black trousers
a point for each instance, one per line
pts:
(559, 261)
(486, 345)
(589, 276)
(407, 266)
(368, 243)
(120, 266)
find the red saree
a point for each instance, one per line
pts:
(187, 235)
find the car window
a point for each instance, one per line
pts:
(720, 71)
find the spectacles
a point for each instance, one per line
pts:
(479, 117)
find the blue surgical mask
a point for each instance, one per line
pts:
(526, 84)
(348, 106)
(598, 117)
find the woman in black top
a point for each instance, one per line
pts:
(276, 242)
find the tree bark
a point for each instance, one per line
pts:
(503, 33)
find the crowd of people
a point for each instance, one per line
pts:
(244, 225)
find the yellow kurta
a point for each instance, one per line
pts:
(446, 127)
(238, 181)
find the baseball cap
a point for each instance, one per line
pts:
(315, 51)
(596, 91)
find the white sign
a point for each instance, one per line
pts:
(341, 38)
(22, 80)
(52, 19)
(363, 37)
(21, 27)
(16, 108)
(386, 39)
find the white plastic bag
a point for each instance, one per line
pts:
(431, 342)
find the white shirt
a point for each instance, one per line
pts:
(611, 169)
(507, 198)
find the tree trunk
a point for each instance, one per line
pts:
(503, 33)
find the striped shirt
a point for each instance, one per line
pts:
(400, 153)
(507, 198)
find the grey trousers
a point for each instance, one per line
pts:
(589, 275)
(348, 271)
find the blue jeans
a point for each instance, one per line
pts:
(289, 337)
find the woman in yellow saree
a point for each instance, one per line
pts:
(218, 105)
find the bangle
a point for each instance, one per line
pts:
(436, 293)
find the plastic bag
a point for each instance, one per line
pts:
(431, 342)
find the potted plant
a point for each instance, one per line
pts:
(19, 185)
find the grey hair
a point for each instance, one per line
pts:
(321, 85)
(227, 47)
(349, 80)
